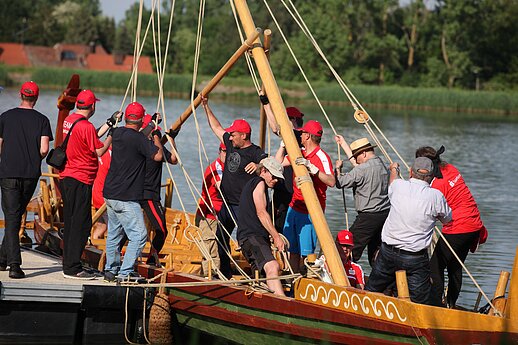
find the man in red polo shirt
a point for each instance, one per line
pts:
(298, 227)
(77, 179)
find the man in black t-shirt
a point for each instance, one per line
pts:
(24, 141)
(152, 185)
(123, 189)
(255, 225)
(240, 164)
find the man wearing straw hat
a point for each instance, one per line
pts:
(255, 225)
(369, 180)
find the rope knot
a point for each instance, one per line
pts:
(303, 179)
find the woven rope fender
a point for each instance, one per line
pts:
(160, 321)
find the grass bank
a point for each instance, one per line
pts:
(440, 99)
(394, 97)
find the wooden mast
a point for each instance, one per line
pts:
(317, 215)
(262, 123)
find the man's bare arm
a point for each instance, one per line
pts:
(214, 123)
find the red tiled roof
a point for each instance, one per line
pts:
(13, 54)
(100, 62)
(68, 55)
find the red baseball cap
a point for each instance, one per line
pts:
(86, 98)
(294, 112)
(30, 89)
(134, 111)
(147, 120)
(312, 127)
(345, 237)
(239, 126)
(222, 147)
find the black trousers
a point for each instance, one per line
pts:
(366, 230)
(156, 215)
(443, 258)
(77, 214)
(16, 194)
(226, 221)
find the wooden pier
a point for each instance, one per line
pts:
(45, 307)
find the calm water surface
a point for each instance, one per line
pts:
(480, 146)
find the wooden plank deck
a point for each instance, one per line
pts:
(44, 281)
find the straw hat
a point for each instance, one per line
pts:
(360, 145)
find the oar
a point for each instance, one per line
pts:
(345, 210)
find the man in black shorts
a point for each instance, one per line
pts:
(255, 225)
(240, 164)
(24, 141)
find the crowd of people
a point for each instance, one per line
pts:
(395, 217)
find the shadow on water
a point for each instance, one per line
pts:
(481, 146)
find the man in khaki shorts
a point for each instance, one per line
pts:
(208, 207)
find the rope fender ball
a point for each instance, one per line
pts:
(160, 321)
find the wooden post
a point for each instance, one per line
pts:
(168, 193)
(308, 191)
(262, 122)
(312, 257)
(499, 297)
(45, 198)
(402, 285)
(512, 299)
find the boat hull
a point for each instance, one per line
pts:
(242, 316)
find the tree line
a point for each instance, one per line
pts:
(443, 43)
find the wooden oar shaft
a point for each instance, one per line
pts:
(279, 110)
(218, 77)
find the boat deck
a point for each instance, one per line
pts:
(44, 281)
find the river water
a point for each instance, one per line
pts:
(481, 146)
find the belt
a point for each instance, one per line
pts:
(402, 251)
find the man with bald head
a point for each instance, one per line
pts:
(407, 232)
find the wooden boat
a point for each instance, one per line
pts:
(319, 312)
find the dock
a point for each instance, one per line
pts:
(45, 307)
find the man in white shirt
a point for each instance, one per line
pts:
(407, 232)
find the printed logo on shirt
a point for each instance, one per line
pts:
(234, 161)
(66, 127)
(452, 182)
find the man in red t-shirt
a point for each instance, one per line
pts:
(209, 205)
(463, 233)
(298, 227)
(77, 179)
(97, 193)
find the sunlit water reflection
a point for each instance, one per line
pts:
(481, 146)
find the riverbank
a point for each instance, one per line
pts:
(391, 97)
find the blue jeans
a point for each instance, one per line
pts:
(125, 219)
(417, 267)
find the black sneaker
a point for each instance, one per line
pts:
(16, 272)
(83, 275)
(153, 260)
(109, 277)
(3, 266)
